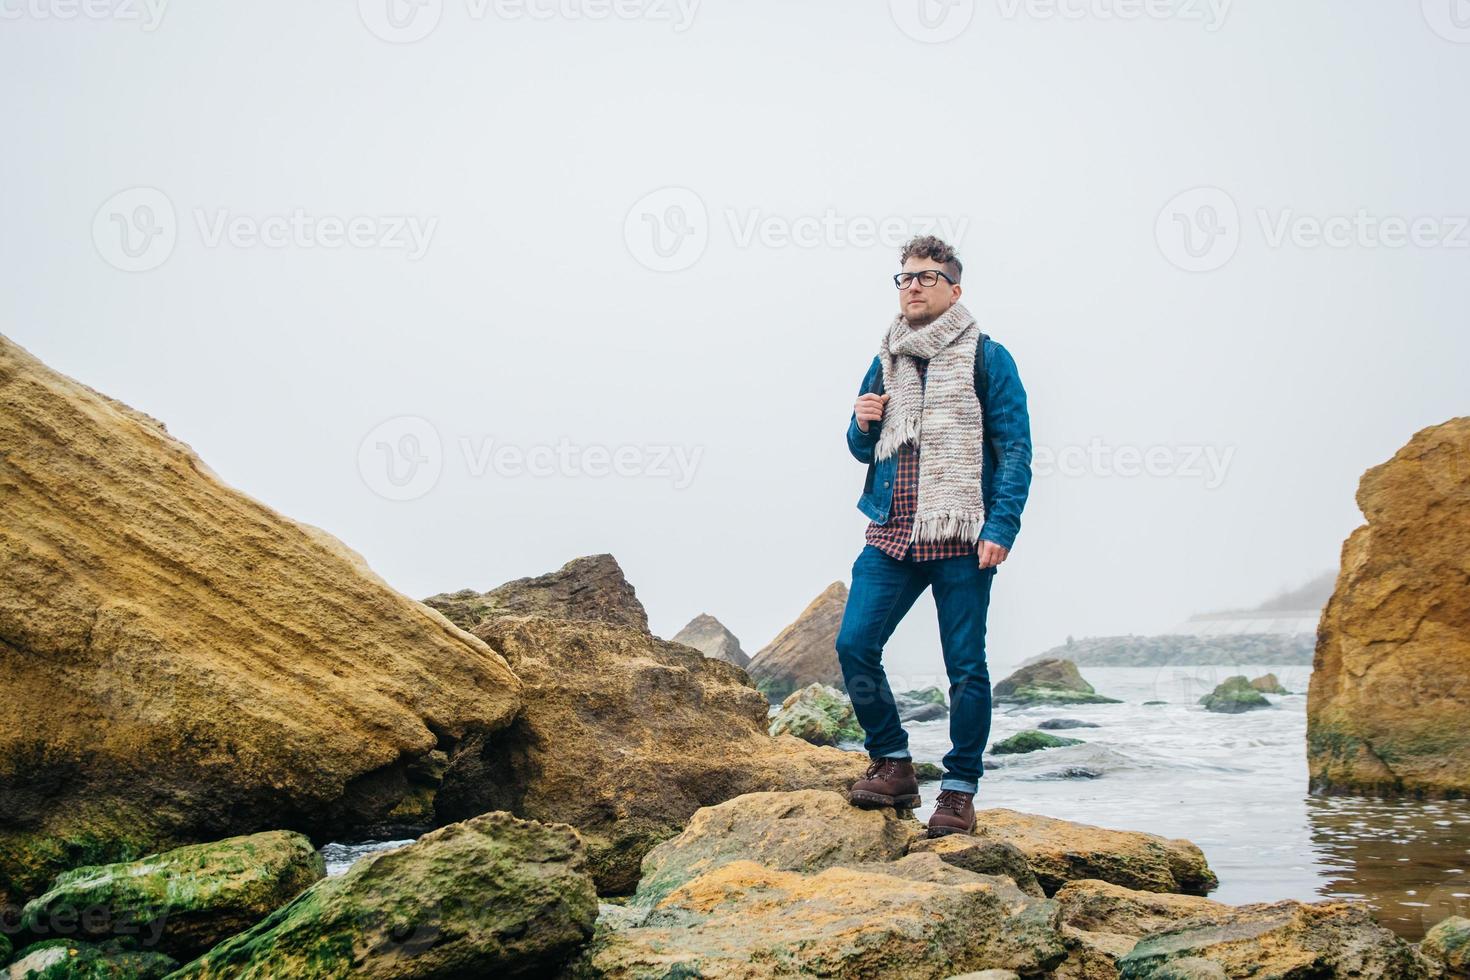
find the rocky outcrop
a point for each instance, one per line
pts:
(915, 918)
(491, 897)
(709, 636)
(1390, 684)
(1268, 684)
(802, 831)
(924, 704)
(1102, 922)
(180, 902)
(1060, 851)
(1448, 942)
(182, 663)
(805, 652)
(1047, 682)
(588, 589)
(61, 959)
(817, 714)
(1234, 695)
(624, 735)
(1280, 939)
(1031, 740)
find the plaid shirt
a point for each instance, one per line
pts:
(893, 538)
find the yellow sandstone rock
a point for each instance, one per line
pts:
(1390, 688)
(181, 663)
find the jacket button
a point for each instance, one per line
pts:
(885, 483)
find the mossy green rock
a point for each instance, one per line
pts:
(1234, 695)
(818, 714)
(1051, 681)
(1449, 943)
(494, 896)
(183, 901)
(58, 959)
(1031, 740)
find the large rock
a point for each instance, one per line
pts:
(1280, 939)
(1047, 682)
(588, 589)
(709, 636)
(1449, 943)
(817, 714)
(491, 897)
(182, 663)
(624, 735)
(180, 902)
(914, 918)
(1390, 683)
(1060, 851)
(1102, 922)
(802, 831)
(805, 652)
(1234, 695)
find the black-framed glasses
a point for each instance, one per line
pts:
(928, 277)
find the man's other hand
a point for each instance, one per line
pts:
(869, 408)
(992, 554)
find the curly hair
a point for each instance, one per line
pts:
(929, 247)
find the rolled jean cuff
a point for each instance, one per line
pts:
(963, 785)
(898, 754)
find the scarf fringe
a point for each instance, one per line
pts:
(948, 524)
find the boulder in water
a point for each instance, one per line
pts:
(1234, 695)
(805, 652)
(817, 714)
(1031, 740)
(1390, 686)
(1053, 681)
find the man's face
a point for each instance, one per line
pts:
(921, 304)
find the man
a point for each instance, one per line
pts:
(948, 448)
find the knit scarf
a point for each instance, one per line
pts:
(942, 415)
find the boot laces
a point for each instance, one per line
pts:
(950, 799)
(882, 765)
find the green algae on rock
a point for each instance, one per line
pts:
(1031, 740)
(60, 959)
(183, 901)
(818, 714)
(494, 896)
(1052, 681)
(1234, 695)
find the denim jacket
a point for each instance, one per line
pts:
(1005, 475)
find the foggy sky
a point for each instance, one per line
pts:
(1219, 231)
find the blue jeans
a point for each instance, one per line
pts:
(883, 590)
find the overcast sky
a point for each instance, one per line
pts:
(480, 287)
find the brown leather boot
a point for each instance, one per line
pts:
(954, 813)
(888, 782)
